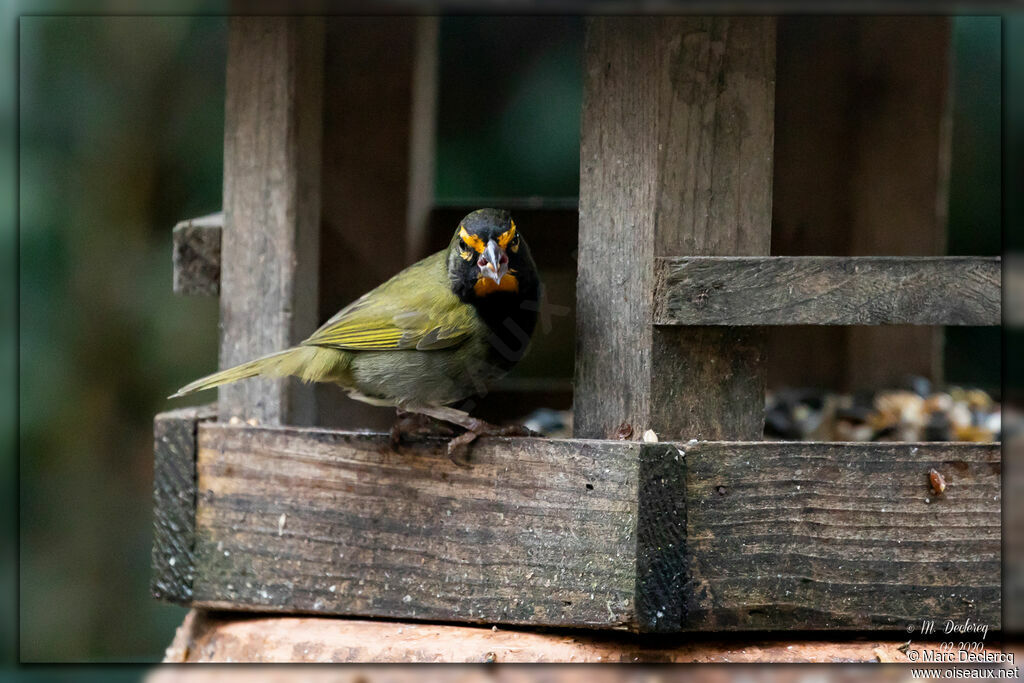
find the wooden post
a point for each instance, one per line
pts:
(423, 134)
(676, 160)
(899, 179)
(270, 244)
(375, 176)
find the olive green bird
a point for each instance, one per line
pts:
(438, 332)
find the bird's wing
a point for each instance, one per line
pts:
(415, 309)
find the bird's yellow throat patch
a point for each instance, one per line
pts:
(485, 285)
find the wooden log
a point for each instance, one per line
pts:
(218, 637)
(537, 532)
(702, 536)
(824, 290)
(174, 502)
(270, 245)
(675, 160)
(842, 536)
(196, 255)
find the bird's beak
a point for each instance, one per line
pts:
(494, 262)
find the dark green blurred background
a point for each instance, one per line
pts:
(121, 124)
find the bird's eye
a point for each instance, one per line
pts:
(462, 244)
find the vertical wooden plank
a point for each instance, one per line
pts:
(861, 168)
(174, 502)
(368, 105)
(899, 179)
(423, 134)
(661, 560)
(270, 244)
(815, 115)
(676, 159)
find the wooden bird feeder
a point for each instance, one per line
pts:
(757, 203)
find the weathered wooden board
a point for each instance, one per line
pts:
(270, 243)
(537, 531)
(675, 160)
(842, 536)
(826, 290)
(701, 536)
(219, 637)
(196, 255)
(174, 502)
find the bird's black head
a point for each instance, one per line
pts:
(487, 256)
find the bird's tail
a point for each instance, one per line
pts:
(308, 363)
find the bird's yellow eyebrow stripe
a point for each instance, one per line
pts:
(472, 240)
(507, 236)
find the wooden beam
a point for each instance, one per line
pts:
(675, 160)
(599, 534)
(218, 637)
(196, 255)
(174, 502)
(825, 290)
(842, 536)
(270, 245)
(335, 523)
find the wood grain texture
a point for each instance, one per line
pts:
(661, 539)
(841, 536)
(174, 502)
(196, 255)
(675, 160)
(270, 243)
(824, 290)
(218, 637)
(537, 532)
(667, 537)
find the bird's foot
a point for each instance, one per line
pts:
(416, 426)
(458, 447)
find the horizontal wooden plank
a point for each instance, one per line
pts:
(536, 532)
(842, 536)
(698, 536)
(196, 255)
(827, 290)
(219, 637)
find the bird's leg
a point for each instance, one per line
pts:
(474, 427)
(415, 424)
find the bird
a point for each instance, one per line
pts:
(440, 331)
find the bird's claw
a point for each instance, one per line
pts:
(458, 449)
(459, 446)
